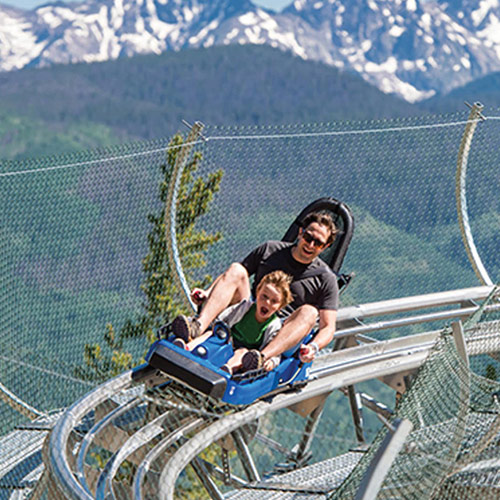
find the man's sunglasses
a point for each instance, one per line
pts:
(311, 239)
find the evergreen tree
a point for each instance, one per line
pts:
(162, 298)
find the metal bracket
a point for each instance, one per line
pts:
(400, 382)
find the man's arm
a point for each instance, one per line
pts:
(327, 322)
(198, 295)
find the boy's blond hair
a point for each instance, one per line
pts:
(281, 281)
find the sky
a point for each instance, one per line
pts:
(276, 5)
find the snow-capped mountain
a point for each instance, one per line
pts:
(409, 47)
(413, 48)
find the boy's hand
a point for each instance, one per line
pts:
(269, 365)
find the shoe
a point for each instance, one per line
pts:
(186, 328)
(252, 360)
(179, 343)
(227, 368)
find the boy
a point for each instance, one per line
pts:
(253, 323)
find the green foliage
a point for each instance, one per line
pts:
(24, 136)
(136, 97)
(162, 298)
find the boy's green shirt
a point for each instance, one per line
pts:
(248, 331)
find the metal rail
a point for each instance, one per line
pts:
(91, 435)
(160, 448)
(145, 434)
(341, 368)
(63, 477)
(346, 315)
(329, 372)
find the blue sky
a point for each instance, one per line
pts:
(30, 4)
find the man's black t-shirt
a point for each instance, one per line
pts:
(314, 283)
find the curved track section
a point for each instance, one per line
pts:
(332, 371)
(151, 429)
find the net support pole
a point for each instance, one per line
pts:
(463, 408)
(171, 213)
(386, 454)
(461, 197)
(458, 336)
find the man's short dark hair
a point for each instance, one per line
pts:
(324, 219)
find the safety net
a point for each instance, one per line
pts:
(452, 449)
(90, 268)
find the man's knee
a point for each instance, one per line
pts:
(306, 315)
(237, 273)
(236, 279)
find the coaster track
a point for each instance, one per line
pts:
(174, 425)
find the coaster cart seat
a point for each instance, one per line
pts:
(200, 368)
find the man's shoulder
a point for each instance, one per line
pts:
(272, 246)
(277, 244)
(322, 268)
(319, 263)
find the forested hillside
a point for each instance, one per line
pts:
(485, 90)
(149, 96)
(73, 107)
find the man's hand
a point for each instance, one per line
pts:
(198, 296)
(308, 352)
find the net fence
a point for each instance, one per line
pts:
(85, 277)
(452, 451)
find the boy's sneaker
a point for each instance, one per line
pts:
(179, 343)
(186, 328)
(252, 360)
(227, 369)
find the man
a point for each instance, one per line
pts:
(314, 288)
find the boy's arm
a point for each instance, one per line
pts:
(271, 331)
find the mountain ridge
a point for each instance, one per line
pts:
(413, 48)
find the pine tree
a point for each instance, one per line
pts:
(162, 298)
